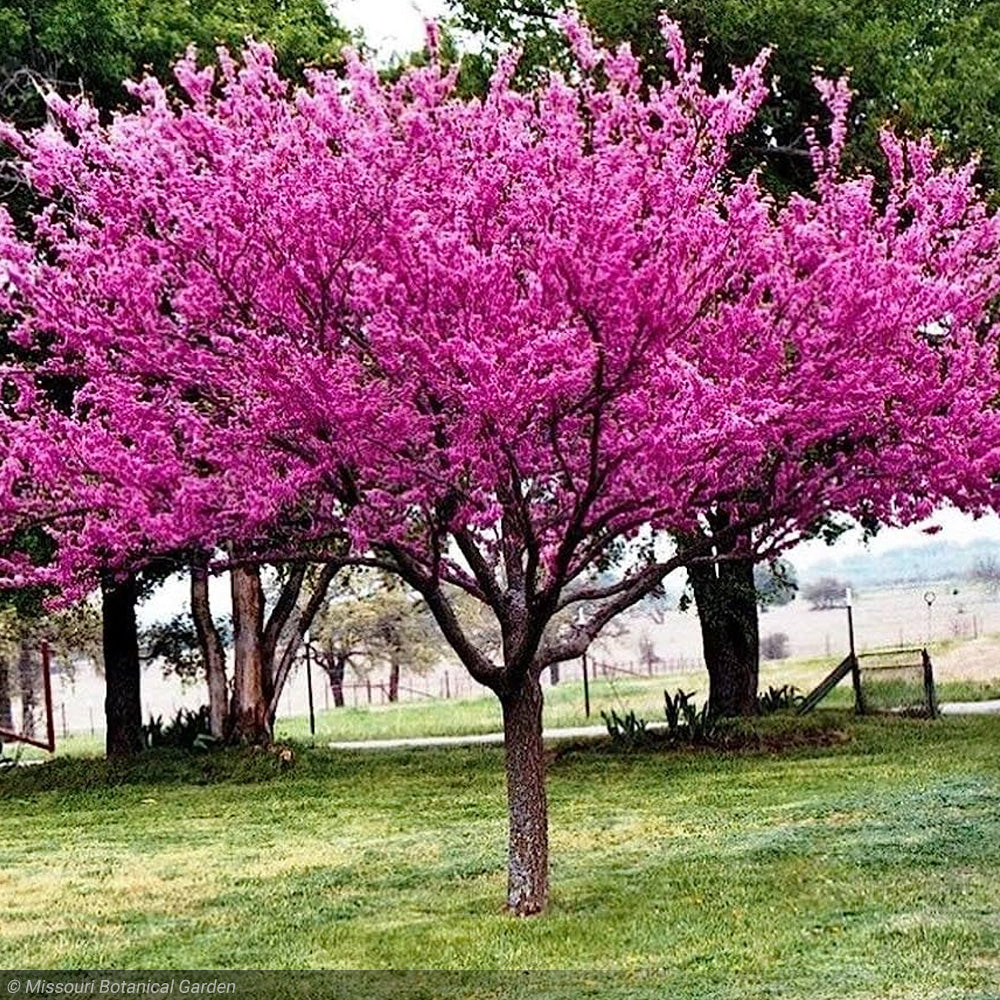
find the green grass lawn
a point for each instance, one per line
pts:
(862, 869)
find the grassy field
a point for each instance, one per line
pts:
(860, 864)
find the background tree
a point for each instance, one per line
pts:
(373, 623)
(827, 592)
(91, 46)
(774, 646)
(775, 583)
(921, 66)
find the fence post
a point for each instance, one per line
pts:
(929, 690)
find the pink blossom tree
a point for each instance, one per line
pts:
(497, 347)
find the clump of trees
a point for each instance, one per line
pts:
(374, 625)
(825, 593)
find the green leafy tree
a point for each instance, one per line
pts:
(776, 583)
(94, 45)
(374, 623)
(924, 66)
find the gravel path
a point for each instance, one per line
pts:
(971, 707)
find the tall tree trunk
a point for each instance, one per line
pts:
(528, 846)
(250, 696)
(335, 667)
(122, 704)
(6, 709)
(27, 677)
(727, 611)
(394, 680)
(212, 650)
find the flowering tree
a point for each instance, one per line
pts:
(498, 346)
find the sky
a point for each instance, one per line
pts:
(390, 25)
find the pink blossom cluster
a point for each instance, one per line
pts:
(493, 338)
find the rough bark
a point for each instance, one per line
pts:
(394, 681)
(212, 650)
(528, 846)
(122, 672)
(250, 721)
(6, 709)
(727, 611)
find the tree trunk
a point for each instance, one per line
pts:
(250, 697)
(393, 681)
(211, 649)
(276, 673)
(6, 709)
(727, 611)
(26, 676)
(122, 704)
(554, 674)
(335, 667)
(528, 847)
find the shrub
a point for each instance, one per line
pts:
(187, 731)
(627, 730)
(685, 721)
(774, 646)
(778, 699)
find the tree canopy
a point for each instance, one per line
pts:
(919, 65)
(93, 45)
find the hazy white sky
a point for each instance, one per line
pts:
(390, 25)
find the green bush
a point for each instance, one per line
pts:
(627, 730)
(777, 699)
(685, 721)
(187, 731)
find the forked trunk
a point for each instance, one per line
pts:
(122, 704)
(528, 847)
(250, 698)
